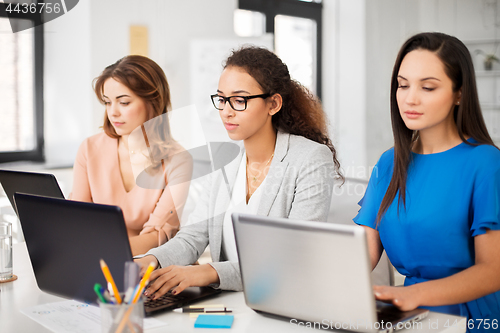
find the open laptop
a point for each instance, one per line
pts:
(29, 182)
(314, 272)
(66, 239)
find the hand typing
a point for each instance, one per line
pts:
(178, 278)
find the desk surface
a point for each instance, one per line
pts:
(24, 293)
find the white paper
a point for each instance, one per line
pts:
(75, 317)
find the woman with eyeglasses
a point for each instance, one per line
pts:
(286, 169)
(135, 92)
(433, 201)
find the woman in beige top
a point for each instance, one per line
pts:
(134, 90)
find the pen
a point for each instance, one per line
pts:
(128, 295)
(110, 290)
(106, 295)
(97, 289)
(109, 278)
(203, 310)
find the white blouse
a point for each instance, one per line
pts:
(238, 204)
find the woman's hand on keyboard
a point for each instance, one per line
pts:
(404, 298)
(178, 278)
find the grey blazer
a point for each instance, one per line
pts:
(299, 185)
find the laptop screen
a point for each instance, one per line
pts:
(66, 239)
(311, 271)
(30, 183)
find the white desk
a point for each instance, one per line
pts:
(24, 293)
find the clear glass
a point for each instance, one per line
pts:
(17, 125)
(124, 318)
(295, 44)
(7, 214)
(5, 251)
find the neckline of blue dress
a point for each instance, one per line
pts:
(460, 145)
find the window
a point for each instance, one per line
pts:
(295, 43)
(21, 84)
(248, 23)
(296, 25)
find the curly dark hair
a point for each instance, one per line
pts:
(301, 113)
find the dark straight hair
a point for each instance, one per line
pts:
(468, 118)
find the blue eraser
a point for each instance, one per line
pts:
(214, 321)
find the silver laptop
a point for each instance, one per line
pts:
(313, 273)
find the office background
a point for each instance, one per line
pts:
(359, 43)
(360, 39)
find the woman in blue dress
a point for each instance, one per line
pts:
(433, 200)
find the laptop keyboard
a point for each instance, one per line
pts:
(389, 314)
(164, 301)
(170, 302)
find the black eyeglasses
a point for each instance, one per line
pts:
(238, 103)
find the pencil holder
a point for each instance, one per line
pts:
(122, 318)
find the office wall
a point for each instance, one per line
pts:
(67, 84)
(344, 66)
(95, 34)
(360, 42)
(389, 23)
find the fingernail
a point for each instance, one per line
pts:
(146, 293)
(174, 292)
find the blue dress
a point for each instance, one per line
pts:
(451, 197)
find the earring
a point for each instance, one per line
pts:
(458, 103)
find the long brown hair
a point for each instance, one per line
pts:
(301, 112)
(459, 68)
(144, 77)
